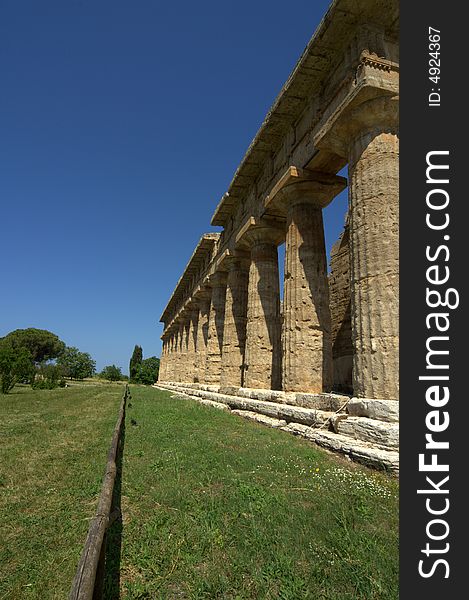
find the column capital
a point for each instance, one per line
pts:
(181, 321)
(361, 115)
(260, 231)
(192, 310)
(201, 293)
(233, 260)
(218, 279)
(304, 186)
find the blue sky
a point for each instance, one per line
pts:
(121, 125)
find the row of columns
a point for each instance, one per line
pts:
(232, 335)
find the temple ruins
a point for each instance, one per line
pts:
(324, 362)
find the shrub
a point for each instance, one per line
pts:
(15, 366)
(76, 364)
(112, 373)
(147, 371)
(135, 362)
(48, 377)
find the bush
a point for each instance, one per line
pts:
(15, 366)
(112, 373)
(76, 364)
(48, 377)
(135, 362)
(147, 371)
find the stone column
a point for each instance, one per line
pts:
(374, 230)
(165, 374)
(175, 361)
(339, 289)
(172, 373)
(181, 350)
(263, 330)
(301, 195)
(193, 322)
(215, 328)
(203, 298)
(307, 322)
(163, 360)
(263, 354)
(185, 356)
(368, 135)
(234, 333)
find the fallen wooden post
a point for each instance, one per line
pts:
(89, 577)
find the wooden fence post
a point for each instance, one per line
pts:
(89, 578)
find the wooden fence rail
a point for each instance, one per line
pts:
(89, 577)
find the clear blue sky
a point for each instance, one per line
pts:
(121, 125)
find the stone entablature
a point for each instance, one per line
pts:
(223, 324)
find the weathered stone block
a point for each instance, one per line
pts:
(263, 419)
(383, 410)
(363, 452)
(371, 430)
(330, 402)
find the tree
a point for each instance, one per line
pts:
(48, 377)
(76, 364)
(42, 344)
(15, 365)
(112, 373)
(135, 362)
(147, 372)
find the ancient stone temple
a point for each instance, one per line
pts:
(332, 345)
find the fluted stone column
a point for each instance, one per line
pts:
(369, 134)
(215, 328)
(176, 355)
(306, 311)
(374, 230)
(263, 329)
(173, 356)
(181, 350)
(234, 333)
(339, 290)
(300, 195)
(307, 322)
(202, 335)
(186, 358)
(169, 359)
(163, 360)
(193, 322)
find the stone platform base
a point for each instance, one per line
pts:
(366, 431)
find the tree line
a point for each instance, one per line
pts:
(143, 370)
(40, 358)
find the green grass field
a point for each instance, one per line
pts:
(218, 507)
(53, 449)
(213, 506)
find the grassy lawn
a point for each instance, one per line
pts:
(218, 507)
(53, 449)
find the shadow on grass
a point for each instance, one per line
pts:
(114, 533)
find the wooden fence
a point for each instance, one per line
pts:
(89, 578)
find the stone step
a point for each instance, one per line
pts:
(287, 412)
(364, 440)
(253, 416)
(382, 410)
(379, 433)
(204, 401)
(383, 434)
(360, 451)
(326, 402)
